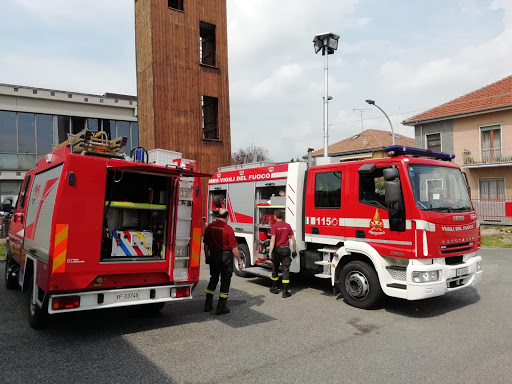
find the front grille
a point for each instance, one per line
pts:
(454, 260)
(398, 273)
(456, 248)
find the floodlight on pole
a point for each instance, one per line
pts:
(372, 102)
(327, 43)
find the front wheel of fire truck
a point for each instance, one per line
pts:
(359, 285)
(243, 249)
(11, 281)
(37, 316)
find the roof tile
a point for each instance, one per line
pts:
(367, 140)
(498, 94)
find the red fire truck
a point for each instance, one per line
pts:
(94, 229)
(402, 226)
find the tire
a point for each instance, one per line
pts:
(360, 286)
(37, 317)
(246, 259)
(11, 281)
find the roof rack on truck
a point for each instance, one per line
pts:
(247, 165)
(94, 143)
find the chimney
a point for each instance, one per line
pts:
(365, 140)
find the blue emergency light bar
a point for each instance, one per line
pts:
(400, 150)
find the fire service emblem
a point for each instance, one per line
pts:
(376, 224)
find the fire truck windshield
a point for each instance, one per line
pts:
(439, 189)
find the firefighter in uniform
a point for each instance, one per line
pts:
(280, 233)
(220, 246)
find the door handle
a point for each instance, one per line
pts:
(360, 234)
(315, 231)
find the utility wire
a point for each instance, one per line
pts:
(452, 103)
(378, 117)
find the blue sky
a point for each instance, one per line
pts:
(407, 55)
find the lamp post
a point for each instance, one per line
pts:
(372, 102)
(327, 43)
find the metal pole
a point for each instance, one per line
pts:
(326, 98)
(391, 125)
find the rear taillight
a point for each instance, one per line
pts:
(181, 292)
(66, 302)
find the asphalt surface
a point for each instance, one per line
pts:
(313, 336)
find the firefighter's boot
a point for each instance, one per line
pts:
(208, 304)
(221, 307)
(286, 292)
(274, 288)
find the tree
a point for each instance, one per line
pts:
(250, 154)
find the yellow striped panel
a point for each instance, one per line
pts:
(195, 247)
(60, 248)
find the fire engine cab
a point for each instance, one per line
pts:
(95, 229)
(402, 226)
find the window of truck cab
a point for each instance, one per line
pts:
(328, 189)
(371, 188)
(439, 189)
(20, 204)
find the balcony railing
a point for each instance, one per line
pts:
(498, 211)
(478, 157)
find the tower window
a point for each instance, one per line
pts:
(207, 43)
(175, 4)
(210, 114)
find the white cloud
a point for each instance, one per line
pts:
(92, 12)
(470, 67)
(276, 80)
(70, 74)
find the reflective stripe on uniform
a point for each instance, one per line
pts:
(224, 295)
(274, 278)
(208, 291)
(286, 281)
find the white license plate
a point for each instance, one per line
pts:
(462, 271)
(126, 296)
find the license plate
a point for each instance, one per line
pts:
(126, 296)
(462, 271)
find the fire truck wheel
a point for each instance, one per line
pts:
(11, 282)
(246, 259)
(359, 285)
(37, 317)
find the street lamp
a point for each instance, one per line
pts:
(327, 43)
(372, 102)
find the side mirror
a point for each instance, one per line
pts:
(392, 192)
(390, 174)
(7, 206)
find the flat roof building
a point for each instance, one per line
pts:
(32, 120)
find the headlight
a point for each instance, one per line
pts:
(478, 266)
(425, 277)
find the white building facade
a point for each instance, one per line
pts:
(32, 120)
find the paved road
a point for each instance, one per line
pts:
(463, 337)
